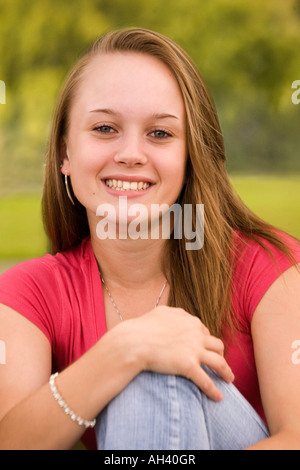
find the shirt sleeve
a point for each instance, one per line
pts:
(256, 270)
(31, 289)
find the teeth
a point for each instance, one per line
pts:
(120, 185)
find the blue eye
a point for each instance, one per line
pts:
(161, 134)
(105, 129)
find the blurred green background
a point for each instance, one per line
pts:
(247, 52)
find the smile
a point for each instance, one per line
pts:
(120, 185)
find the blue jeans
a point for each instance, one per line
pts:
(167, 412)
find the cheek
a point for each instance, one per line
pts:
(174, 178)
(175, 168)
(84, 158)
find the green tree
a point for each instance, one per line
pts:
(247, 52)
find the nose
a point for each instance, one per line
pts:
(131, 152)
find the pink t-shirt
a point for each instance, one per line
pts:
(255, 272)
(62, 295)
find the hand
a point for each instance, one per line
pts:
(175, 342)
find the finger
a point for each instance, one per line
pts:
(204, 329)
(217, 363)
(214, 344)
(205, 383)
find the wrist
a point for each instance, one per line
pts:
(129, 347)
(118, 358)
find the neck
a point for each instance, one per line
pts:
(130, 263)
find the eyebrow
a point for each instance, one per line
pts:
(154, 116)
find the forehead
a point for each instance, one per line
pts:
(128, 79)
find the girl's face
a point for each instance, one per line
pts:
(127, 134)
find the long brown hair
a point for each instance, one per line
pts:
(200, 280)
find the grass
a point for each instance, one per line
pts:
(275, 199)
(21, 230)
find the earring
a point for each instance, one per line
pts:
(68, 190)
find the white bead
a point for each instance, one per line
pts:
(64, 406)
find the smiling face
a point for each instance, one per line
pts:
(127, 133)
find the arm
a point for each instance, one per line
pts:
(275, 326)
(164, 340)
(30, 417)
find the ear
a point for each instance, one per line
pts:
(64, 158)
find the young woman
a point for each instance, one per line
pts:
(164, 347)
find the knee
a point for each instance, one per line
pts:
(163, 410)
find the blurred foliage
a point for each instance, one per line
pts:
(247, 52)
(274, 198)
(22, 235)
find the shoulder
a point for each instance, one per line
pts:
(48, 266)
(257, 264)
(38, 288)
(263, 254)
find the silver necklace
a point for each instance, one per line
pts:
(114, 303)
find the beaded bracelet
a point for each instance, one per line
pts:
(64, 406)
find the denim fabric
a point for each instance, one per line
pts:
(167, 412)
